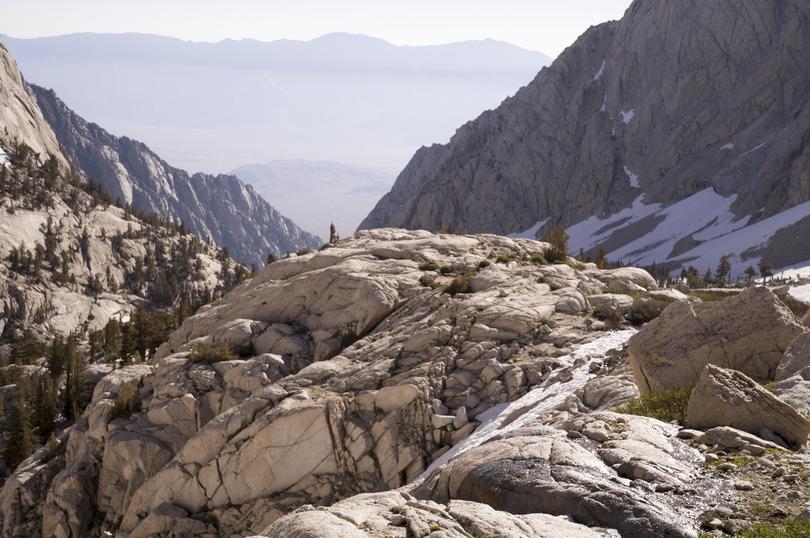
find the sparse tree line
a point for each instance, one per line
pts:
(56, 395)
(166, 274)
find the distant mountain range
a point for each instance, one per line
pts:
(220, 208)
(676, 135)
(214, 107)
(317, 193)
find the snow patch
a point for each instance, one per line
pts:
(801, 293)
(530, 233)
(728, 147)
(633, 177)
(705, 214)
(3, 157)
(628, 115)
(538, 401)
(604, 104)
(796, 271)
(600, 72)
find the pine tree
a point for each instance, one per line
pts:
(333, 235)
(723, 270)
(750, 275)
(559, 244)
(601, 259)
(45, 410)
(56, 356)
(27, 348)
(74, 380)
(19, 436)
(765, 270)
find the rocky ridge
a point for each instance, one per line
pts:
(402, 383)
(367, 372)
(675, 161)
(71, 260)
(220, 208)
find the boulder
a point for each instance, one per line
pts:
(724, 397)
(793, 374)
(626, 278)
(573, 303)
(732, 438)
(748, 332)
(391, 513)
(796, 359)
(540, 470)
(798, 306)
(610, 305)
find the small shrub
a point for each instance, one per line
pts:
(483, 264)
(770, 386)
(304, 251)
(208, 354)
(427, 281)
(635, 294)
(460, 284)
(506, 258)
(666, 406)
(539, 259)
(124, 405)
(445, 269)
(707, 296)
(579, 266)
(429, 266)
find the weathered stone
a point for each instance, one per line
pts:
(725, 397)
(748, 332)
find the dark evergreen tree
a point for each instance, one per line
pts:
(19, 435)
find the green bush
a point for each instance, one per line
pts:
(460, 284)
(484, 263)
(445, 269)
(429, 266)
(208, 354)
(789, 529)
(579, 266)
(506, 258)
(539, 259)
(666, 406)
(707, 296)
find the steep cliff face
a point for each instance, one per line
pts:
(20, 118)
(676, 100)
(219, 207)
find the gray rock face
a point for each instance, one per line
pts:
(94, 250)
(748, 332)
(221, 207)
(725, 397)
(20, 118)
(610, 120)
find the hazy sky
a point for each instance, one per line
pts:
(545, 25)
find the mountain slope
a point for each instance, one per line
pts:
(69, 259)
(220, 207)
(317, 193)
(346, 98)
(612, 135)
